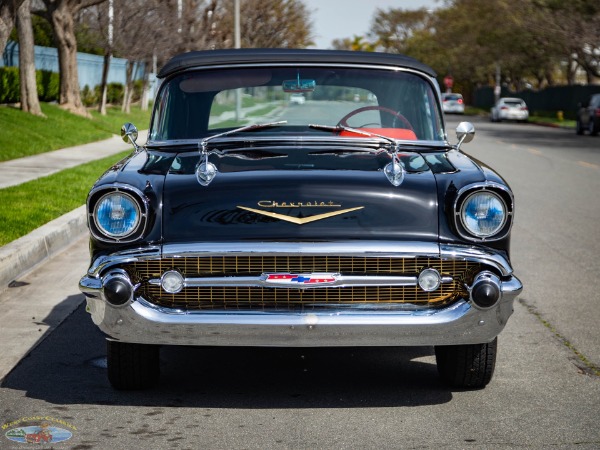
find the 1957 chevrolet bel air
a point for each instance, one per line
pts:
(347, 219)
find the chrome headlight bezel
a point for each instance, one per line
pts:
(499, 192)
(132, 195)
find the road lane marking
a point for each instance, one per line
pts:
(588, 165)
(534, 151)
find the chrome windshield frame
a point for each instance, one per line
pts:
(429, 79)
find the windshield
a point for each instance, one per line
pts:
(196, 104)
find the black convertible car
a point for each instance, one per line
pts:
(347, 219)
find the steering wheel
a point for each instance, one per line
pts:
(344, 120)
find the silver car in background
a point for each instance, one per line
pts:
(453, 103)
(509, 109)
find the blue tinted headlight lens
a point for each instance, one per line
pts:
(117, 215)
(483, 214)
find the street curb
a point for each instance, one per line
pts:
(22, 255)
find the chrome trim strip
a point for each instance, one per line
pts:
(104, 262)
(477, 254)
(262, 281)
(367, 249)
(317, 140)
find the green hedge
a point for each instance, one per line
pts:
(10, 86)
(48, 88)
(48, 85)
(114, 93)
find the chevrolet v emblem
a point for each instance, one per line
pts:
(300, 220)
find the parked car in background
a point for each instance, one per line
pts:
(588, 116)
(297, 99)
(342, 224)
(509, 108)
(453, 103)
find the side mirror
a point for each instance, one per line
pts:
(129, 134)
(465, 132)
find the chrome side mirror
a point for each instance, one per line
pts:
(129, 133)
(465, 132)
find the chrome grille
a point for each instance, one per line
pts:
(266, 298)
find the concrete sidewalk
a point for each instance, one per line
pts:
(18, 171)
(22, 255)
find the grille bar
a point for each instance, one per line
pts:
(388, 274)
(337, 280)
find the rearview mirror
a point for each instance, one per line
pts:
(299, 85)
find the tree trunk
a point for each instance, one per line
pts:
(8, 12)
(6, 23)
(128, 94)
(64, 33)
(145, 87)
(29, 97)
(103, 86)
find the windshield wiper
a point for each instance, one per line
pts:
(256, 126)
(206, 171)
(395, 142)
(338, 128)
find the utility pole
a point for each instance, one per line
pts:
(237, 37)
(237, 44)
(179, 15)
(497, 88)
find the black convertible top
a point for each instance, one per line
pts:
(283, 55)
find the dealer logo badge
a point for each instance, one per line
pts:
(298, 220)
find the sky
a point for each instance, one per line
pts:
(338, 19)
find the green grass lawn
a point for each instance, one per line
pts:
(22, 134)
(25, 207)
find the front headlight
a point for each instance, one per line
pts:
(117, 215)
(482, 211)
(483, 214)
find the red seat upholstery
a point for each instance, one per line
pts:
(396, 133)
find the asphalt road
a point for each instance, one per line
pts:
(545, 393)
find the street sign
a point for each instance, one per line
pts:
(448, 81)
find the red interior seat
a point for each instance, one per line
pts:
(396, 133)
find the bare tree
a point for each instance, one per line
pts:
(29, 97)
(99, 23)
(8, 12)
(139, 43)
(60, 14)
(267, 24)
(142, 31)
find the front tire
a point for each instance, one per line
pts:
(592, 128)
(467, 366)
(132, 366)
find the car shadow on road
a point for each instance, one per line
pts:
(67, 368)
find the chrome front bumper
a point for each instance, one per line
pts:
(461, 323)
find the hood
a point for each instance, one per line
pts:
(299, 205)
